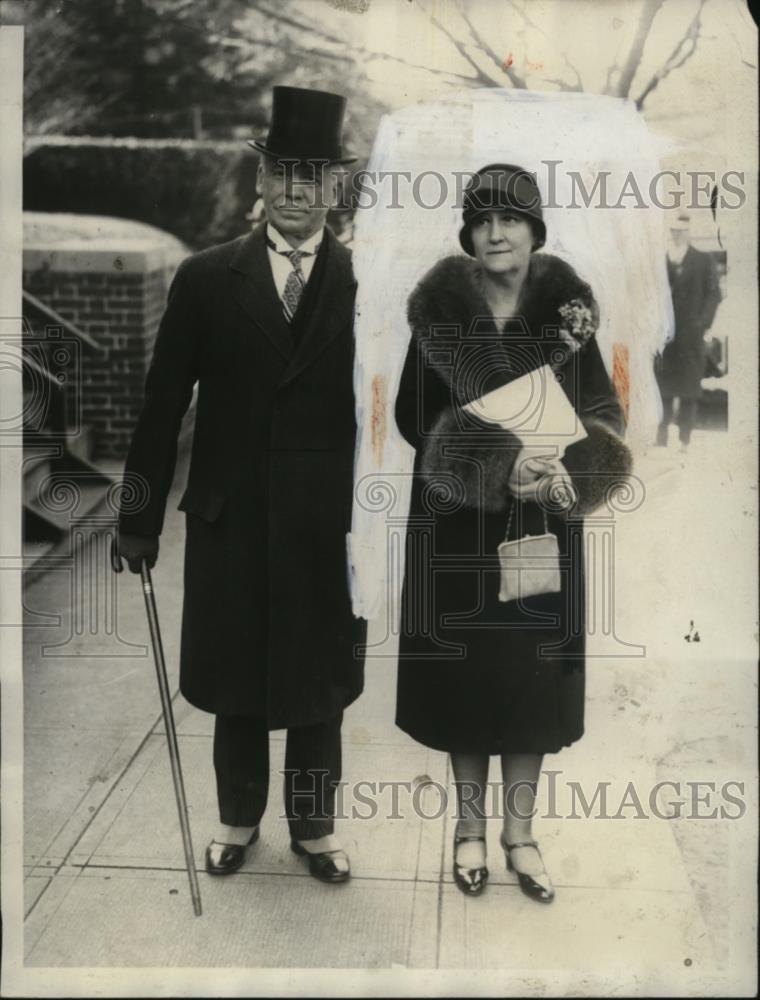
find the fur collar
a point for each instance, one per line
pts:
(450, 293)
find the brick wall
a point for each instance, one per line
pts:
(117, 300)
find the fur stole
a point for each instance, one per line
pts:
(478, 456)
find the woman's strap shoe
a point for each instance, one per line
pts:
(324, 864)
(223, 859)
(538, 887)
(472, 881)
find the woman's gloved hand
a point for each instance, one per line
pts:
(526, 474)
(542, 479)
(556, 491)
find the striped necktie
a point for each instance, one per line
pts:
(296, 282)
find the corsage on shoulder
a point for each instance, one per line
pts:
(579, 324)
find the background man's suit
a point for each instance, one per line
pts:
(696, 294)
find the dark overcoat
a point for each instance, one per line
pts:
(696, 293)
(475, 674)
(267, 627)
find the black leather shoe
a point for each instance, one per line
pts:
(224, 859)
(322, 865)
(472, 881)
(542, 891)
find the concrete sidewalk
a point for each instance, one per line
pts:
(647, 905)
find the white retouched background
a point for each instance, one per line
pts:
(619, 251)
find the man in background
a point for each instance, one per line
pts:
(694, 287)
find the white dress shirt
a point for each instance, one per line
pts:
(677, 254)
(281, 266)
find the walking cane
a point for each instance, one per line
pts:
(171, 731)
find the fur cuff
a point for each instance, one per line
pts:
(472, 462)
(598, 466)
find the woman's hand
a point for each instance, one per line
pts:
(526, 474)
(557, 491)
(542, 478)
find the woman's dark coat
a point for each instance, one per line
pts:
(696, 294)
(267, 626)
(475, 674)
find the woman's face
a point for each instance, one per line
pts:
(502, 241)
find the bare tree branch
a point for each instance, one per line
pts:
(461, 48)
(683, 50)
(502, 64)
(649, 11)
(238, 43)
(387, 57)
(619, 78)
(306, 26)
(578, 85)
(611, 70)
(368, 55)
(562, 84)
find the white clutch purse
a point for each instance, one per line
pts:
(529, 565)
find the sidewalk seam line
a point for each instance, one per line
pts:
(114, 784)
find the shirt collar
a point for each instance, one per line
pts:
(281, 245)
(677, 254)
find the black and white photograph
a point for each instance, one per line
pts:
(378, 497)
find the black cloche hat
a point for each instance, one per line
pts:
(305, 125)
(505, 186)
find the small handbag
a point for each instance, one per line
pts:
(529, 565)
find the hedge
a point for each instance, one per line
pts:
(198, 192)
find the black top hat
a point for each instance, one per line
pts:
(306, 125)
(502, 186)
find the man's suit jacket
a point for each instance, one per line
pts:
(267, 627)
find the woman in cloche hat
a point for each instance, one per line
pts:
(481, 674)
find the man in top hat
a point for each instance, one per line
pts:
(695, 291)
(264, 326)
